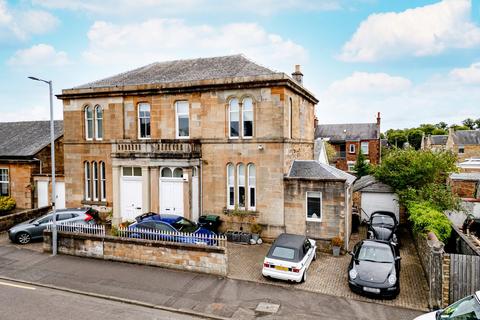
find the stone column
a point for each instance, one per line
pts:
(187, 193)
(145, 189)
(116, 218)
(154, 189)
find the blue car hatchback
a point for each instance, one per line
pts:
(173, 224)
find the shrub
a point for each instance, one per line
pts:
(425, 218)
(337, 242)
(7, 204)
(256, 228)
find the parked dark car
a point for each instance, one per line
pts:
(471, 224)
(383, 226)
(374, 269)
(32, 229)
(173, 224)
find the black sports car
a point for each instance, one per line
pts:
(374, 269)
(383, 226)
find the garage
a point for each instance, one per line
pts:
(374, 195)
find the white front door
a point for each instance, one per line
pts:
(60, 195)
(131, 199)
(42, 194)
(171, 196)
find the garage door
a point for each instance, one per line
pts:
(372, 202)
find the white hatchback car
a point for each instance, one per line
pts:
(467, 308)
(289, 258)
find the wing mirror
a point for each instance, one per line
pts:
(398, 258)
(350, 253)
(36, 223)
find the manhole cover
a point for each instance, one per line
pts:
(267, 307)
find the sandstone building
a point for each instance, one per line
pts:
(464, 143)
(190, 137)
(25, 163)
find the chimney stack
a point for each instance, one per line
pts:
(298, 75)
(378, 119)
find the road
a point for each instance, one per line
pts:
(20, 302)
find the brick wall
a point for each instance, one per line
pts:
(211, 260)
(8, 221)
(464, 188)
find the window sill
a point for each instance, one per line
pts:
(313, 220)
(96, 203)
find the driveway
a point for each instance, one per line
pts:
(328, 274)
(34, 246)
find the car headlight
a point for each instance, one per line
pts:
(353, 274)
(370, 235)
(392, 279)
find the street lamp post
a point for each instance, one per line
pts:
(52, 154)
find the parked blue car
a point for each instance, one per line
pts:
(176, 225)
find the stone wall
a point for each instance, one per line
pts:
(6, 222)
(21, 182)
(464, 188)
(44, 156)
(211, 260)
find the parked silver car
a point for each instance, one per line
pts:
(32, 229)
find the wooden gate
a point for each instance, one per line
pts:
(464, 276)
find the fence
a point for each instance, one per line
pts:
(95, 229)
(175, 237)
(464, 275)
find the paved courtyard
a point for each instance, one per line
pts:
(328, 274)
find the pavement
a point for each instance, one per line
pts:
(185, 292)
(328, 274)
(20, 302)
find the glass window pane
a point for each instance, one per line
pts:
(137, 172)
(234, 115)
(166, 173)
(4, 175)
(231, 196)
(90, 128)
(241, 197)
(3, 189)
(183, 126)
(127, 171)
(247, 125)
(313, 206)
(178, 173)
(247, 104)
(99, 128)
(241, 175)
(251, 175)
(231, 176)
(252, 197)
(182, 107)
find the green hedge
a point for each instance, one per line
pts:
(7, 204)
(425, 217)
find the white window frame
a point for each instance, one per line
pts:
(351, 148)
(230, 119)
(91, 120)
(230, 184)
(103, 182)
(364, 145)
(95, 186)
(133, 172)
(242, 107)
(177, 116)
(140, 122)
(252, 185)
(88, 182)
(308, 194)
(351, 167)
(241, 183)
(7, 182)
(97, 119)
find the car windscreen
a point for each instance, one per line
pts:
(283, 253)
(382, 219)
(467, 308)
(184, 225)
(375, 254)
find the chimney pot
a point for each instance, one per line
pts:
(298, 75)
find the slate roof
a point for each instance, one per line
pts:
(312, 169)
(348, 131)
(467, 176)
(184, 70)
(371, 184)
(25, 139)
(439, 139)
(466, 137)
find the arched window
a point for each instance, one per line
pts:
(98, 122)
(166, 173)
(88, 123)
(178, 173)
(103, 182)
(230, 186)
(144, 120)
(95, 180)
(234, 118)
(88, 182)
(241, 185)
(247, 117)
(290, 118)
(251, 186)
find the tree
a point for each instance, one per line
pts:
(456, 127)
(415, 138)
(477, 123)
(331, 152)
(439, 131)
(362, 167)
(396, 137)
(469, 122)
(427, 128)
(442, 125)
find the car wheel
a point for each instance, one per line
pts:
(23, 238)
(304, 277)
(314, 256)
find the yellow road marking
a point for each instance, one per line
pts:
(16, 285)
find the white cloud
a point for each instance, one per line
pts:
(127, 7)
(440, 98)
(21, 24)
(39, 55)
(165, 39)
(467, 75)
(422, 31)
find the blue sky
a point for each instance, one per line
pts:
(414, 61)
